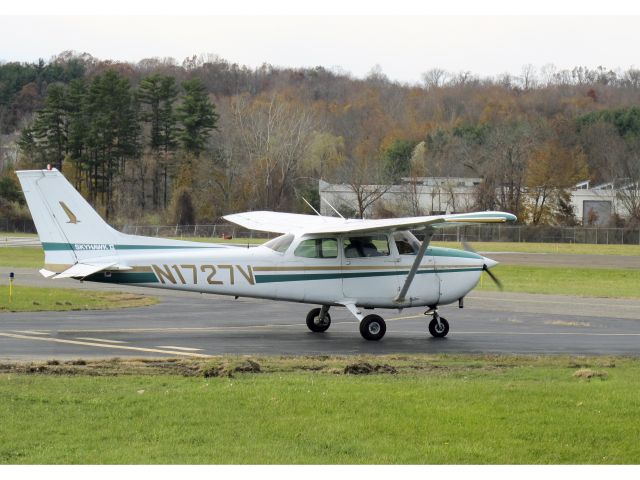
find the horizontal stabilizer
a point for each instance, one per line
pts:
(46, 273)
(82, 270)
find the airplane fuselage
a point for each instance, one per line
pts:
(444, 276)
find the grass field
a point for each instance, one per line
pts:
(566, 248)
(17, 234)
(586, 282)
(428, 410)
(34, 299)
(21, 257)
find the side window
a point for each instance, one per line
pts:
(366, 246)
(317, 248)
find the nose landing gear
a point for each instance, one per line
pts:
(438, 326)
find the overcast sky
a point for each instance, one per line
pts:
(403, 46)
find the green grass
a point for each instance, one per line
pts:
(587, 282)
(17, 234)
(34, 299)
(565, 248)
(435, 410)
(21, 257)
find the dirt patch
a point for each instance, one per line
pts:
(230, 366)
(248, 366)
(365, 368)
(227, 369)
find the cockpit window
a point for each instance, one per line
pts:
(279, 244)
(406, 243)
(317, 248)
(366, 246)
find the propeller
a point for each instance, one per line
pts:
(485, 268)
(495, 279)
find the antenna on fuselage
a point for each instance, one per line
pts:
(327, 202)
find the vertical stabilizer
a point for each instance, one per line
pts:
(69, 228)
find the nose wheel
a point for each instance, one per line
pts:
(438, 327)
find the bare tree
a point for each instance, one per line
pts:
(275, 136)
(365, 177)
(504, 168)
(528, 76)
(628, 192)
(434, 78)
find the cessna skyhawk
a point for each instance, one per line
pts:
(320, 260)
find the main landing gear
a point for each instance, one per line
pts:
(372, 327)
(438, 326)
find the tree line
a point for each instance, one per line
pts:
(94, 132)
(192, 141)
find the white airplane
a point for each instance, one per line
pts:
(327, 261)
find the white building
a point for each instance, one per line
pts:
(438, 195)
(424, 195)
(595, 205)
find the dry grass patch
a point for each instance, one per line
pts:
(589, 374)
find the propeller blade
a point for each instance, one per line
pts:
(467, 246)
(493, 277)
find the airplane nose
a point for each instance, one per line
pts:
(489, 263)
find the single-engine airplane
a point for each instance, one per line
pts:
(326, 261)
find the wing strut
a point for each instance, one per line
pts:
(428, 233)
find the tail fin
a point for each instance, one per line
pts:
(76, 240)
(70, 230)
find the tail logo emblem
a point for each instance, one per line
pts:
(70, 214)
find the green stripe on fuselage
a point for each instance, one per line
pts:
(451, 252)
(86, 247)
(342, 275)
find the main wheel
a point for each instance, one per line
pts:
(313, 321)
(373, 327)
(441, 330)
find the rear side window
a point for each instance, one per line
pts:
(317, 248)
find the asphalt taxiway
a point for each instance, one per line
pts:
(191, 324)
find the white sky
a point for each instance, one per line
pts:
(403, 45)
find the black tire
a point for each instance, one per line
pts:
(441, 330)
(373, 327)
(313, 321)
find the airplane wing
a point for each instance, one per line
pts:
(314, 224)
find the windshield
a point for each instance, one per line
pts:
(279, 244)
